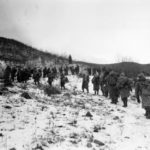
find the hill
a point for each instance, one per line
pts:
(15, 51)
(130, 68)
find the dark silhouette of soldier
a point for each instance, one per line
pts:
(7, 76)
(13, 73)
(63, 81)
(36, 76)
(96, 83)
(44, 72)
(85, 83)
(50, 78)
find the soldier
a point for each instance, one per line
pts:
(103, 82)
(85, 82)
(30, 72)
(66, 70)
(7, 76)
(63, 80)
(48, 71)
(124, 86)
(77, 69)
(19, 74)
(89, 71)
(61, 70)
(13, 73)
(113, 90)
(144, 86)
(36, 76)
(138, 89)
(44, 72)
(96, 83)
(26, 75)
(54, 70)
(72, 69)
(50, 78)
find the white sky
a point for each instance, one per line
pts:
(100, 31)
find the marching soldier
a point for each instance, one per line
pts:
(96, 83)
(85, 83)
(124, 86)
(7, 76)
(145, 94)
(50, 78)
(113, 90)
(63, 81)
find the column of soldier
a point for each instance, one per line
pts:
(112, 84)
(23, 74)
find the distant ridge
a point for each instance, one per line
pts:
(129, 68)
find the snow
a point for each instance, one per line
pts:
(60, 122)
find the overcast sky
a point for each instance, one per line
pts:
(101, 31)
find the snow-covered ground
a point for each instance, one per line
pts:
(60, 122)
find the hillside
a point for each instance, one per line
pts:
(13, 50)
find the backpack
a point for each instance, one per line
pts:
(123, 82)
(112, 80)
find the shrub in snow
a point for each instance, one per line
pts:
(12, 149)
(38, 147)
(74, 135)
(89, 145)
(26, 95)
(99, 142)
(97, 128)
(88, 114)
(50, 90)
(23, 86)
(7, 106)
(67, 95)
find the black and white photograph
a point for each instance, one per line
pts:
(74, 75)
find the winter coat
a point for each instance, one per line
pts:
(145, 94)
(85, 82)
(112, 82)
(7, 75)
(13, 72)
(96, 83)
(138, 89)
(112, 79)
(25, 74)
(113, 92)
(37, 75)
(124, 86)
(63, 80)
(50, 78)
(103, 82)
(44, 72)
(124, 92)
